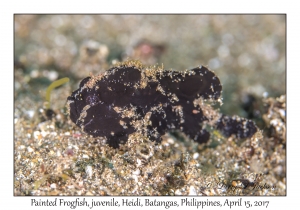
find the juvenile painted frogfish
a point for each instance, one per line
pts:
(131, 97)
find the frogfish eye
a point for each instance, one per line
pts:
(92, 100)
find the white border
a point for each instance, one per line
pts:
(8, 8)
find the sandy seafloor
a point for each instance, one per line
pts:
(54, 157)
